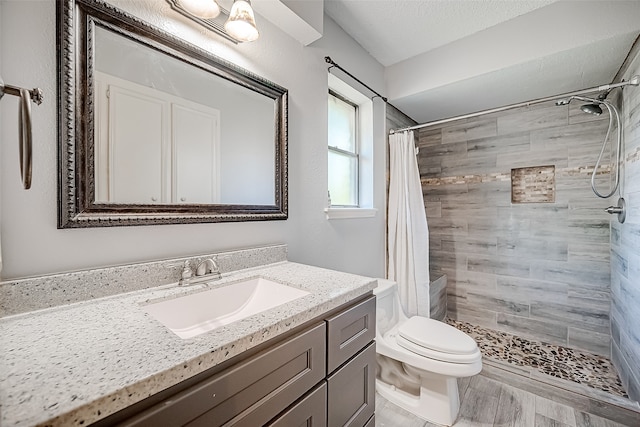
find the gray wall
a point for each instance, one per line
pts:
(31, 243)
(625, 248)
(539, 270)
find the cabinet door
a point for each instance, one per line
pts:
(311, 411)
(351, 391)
(348, 332)
(196, 169)
(138, 126)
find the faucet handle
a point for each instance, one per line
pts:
(186, 274)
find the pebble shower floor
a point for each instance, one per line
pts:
(557, 361)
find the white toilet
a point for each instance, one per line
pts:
(420, 359)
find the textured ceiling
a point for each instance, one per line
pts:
(451, 57)
(394, 30)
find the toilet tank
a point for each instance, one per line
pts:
(387, 306)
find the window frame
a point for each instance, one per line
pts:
(354, 155)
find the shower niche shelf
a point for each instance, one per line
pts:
(535, 184)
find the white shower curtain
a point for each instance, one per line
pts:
(408, 243)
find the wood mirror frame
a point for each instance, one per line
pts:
(76, 25)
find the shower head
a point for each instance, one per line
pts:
(592, 109)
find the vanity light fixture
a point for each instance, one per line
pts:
(206, 9)
(241, 24)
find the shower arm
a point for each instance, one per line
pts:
(635, 81)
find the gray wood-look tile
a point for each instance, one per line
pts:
(542, 421)
(532, 118)
(595, 342)
(507, 266)
(584, 419)
(558, 157)
(470, 245)
(458, 309)
(465, 130)
(516, 408)
(547, 331)
(587, 208)
(501, 398)
(531, 289)
(544, 249)
(480, 402)
(579, 251)
(555, 411)
(453, 166)
(585, 316)
(590, 275)
(514, 143)
(433, 209)
(575, 137)
(476, 281)
(429, 136)
(577, 396)
(578, 295)
(494, 301)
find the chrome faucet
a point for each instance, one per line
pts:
(205, 270)
(208, 267)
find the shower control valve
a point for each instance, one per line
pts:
(618, 210)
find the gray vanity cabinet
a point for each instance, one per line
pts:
(311, 411)
(351, 385)
(321, 375)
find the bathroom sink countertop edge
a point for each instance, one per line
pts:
(76, 364)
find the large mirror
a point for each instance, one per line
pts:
(153, 130)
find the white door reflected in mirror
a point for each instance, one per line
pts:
(167, 133)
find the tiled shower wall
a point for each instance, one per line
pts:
(539, 270)
(625, 247)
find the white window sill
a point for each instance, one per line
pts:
(349, 213)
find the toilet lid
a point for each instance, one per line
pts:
(437, 336)
(438, 355)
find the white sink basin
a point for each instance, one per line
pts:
(201, 312)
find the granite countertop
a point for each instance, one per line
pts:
(78, 363)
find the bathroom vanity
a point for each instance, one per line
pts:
(107, 361)
(323, 375)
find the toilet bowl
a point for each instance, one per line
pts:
(420, 359)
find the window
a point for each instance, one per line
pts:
(343, 151)
(350, 152)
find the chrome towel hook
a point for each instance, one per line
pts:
(24, 123)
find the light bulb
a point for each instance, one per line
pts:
(241, 24)
(206, 9)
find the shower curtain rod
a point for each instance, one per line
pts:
(635, 80)
(328, 60)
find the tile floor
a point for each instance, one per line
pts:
(488, 402)
(485, 402)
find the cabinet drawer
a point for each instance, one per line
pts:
(351, 391)
(310, 411)
(350, 331)
(251, 392)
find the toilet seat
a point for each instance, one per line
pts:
(437, 340)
